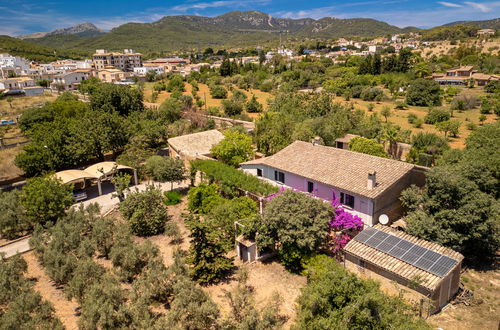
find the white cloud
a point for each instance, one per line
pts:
(217, 4)
(450, 4)
(481, 6)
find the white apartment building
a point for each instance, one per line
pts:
(126, 61)
(13, 64)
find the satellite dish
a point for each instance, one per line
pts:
(383, 219)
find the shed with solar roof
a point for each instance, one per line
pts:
(426, 269)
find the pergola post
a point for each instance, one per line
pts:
(136, 181)
(99, 188)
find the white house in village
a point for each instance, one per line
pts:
(70, 80)
(20, 86)
(13, 64)
(141, 71)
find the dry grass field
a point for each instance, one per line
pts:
(444, 47)
(484, 311)
(400, 117)
(18, 104)
(204, 94)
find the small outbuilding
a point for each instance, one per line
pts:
(427, 271)
(246, 249)
(194, 146)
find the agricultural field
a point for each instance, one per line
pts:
(266, 279)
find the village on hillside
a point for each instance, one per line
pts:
(344, 184)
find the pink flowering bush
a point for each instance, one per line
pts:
(344, 226)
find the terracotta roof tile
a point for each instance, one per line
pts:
(343, 169)
(196, 144)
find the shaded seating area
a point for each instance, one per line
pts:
(100, 172)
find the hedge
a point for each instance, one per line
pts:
(232, 178)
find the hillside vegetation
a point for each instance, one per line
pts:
(36, 52)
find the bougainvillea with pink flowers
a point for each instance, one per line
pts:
(344, 226)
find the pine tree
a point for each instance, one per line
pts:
(206, 254)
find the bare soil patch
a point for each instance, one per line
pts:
(484, 311)
(65, 310)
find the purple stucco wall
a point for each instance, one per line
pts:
(363, 207)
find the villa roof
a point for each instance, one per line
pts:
(343, 169)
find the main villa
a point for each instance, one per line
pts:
(366, 185)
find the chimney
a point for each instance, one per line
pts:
(372, 180)
(316, 141)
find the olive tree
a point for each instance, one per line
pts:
(145, 211)
(295, 224)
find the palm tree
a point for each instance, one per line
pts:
(390, 135)
(421, 69)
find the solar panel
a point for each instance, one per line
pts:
(365, 235)
(416, 255)
(376, 238)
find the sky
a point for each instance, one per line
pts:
(28, 16)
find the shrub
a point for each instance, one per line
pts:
(145, 212)
(401, 106)
(356, 91)
(436, 115)
(203, 198)
(218, 92)
(464, 102)
(13, 220)
(335, 298)
(371, 93)
(423, 92)
(232, 108)
(172, 197)
(412, 118)
(471, 126)
(418, 123)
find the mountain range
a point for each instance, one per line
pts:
(81, 30)
(234, 30)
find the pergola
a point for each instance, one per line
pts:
(100, 171)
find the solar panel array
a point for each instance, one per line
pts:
(416, 255)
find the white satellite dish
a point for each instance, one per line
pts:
(383, 219)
